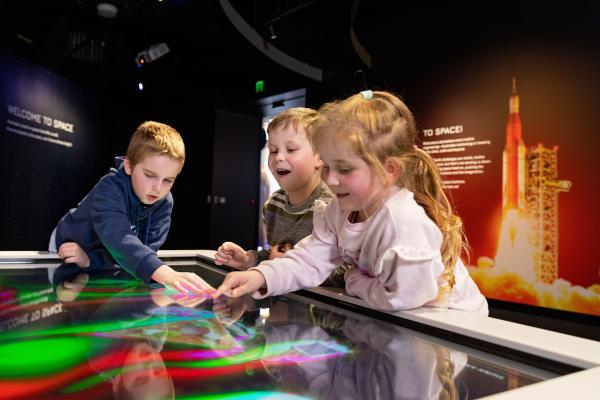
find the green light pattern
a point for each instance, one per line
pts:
(42, 356)
(90, 328)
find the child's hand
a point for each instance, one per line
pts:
(184, 282)
(279, 250)
(69, 290)
(230, 309)
(72, 253)
(163, 297)
(234, 256)
(237, 284)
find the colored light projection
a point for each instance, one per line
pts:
(145, 353)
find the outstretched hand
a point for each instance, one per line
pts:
(237, 284)
(234, 256)
(184, 282)
(72, 253)
(163, 297)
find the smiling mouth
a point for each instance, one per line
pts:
(283, 172)
(341, 195)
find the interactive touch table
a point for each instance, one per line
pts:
(69, 333)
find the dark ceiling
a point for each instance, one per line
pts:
(404, 39)
(69, 37)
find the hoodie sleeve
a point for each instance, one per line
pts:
(110, 221)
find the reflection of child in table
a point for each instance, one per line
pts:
(384, 361)
(121, 354)
(385, 364)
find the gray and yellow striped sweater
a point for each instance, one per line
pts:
(289, 224)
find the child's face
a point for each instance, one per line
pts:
(144, 374)
(292, 160)
(153, 177)
(350, 178)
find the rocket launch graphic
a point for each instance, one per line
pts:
(528, 239)
(525, 268)
(515, 252)
(513, 158)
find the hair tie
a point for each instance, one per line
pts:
(367, 94)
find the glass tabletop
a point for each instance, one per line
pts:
(69, 333)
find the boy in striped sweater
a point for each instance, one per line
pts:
(288, 213)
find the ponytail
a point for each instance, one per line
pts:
(378, 126)
(423, 178)
(444, 369)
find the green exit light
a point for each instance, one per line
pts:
(260, 86)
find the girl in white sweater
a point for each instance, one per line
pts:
(390, 219)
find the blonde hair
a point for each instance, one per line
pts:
(155, 138)
(382, 127)
(444, 369)
(296, 116)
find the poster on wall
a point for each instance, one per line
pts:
(516, 138)
(47, 151)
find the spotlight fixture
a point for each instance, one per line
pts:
(272, 32)
(151, 53)
(107, 10)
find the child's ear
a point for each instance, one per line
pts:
(127, 166)
(318, 162)
(392, 167)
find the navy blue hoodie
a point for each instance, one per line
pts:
(112, 226)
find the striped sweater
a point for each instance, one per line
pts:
(289, 224)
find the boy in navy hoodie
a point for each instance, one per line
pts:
(126, 217)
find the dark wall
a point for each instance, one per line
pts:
(193, 117)
(43, 180)
(50, 150)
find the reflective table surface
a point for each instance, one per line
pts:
(69, 333)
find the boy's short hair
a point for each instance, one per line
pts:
(305, 117)
(155, 138)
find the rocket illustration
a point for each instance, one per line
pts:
(513, 158)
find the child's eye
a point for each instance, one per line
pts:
(169, 180)
(291, 150)
(345, 171)
(272, 151)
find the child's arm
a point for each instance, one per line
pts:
(184, 282)
(234, 256)
(110, 221)
(402, 263)
(403, 283)
(237, 284)
(310, 262)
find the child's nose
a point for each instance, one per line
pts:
(331, 180)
